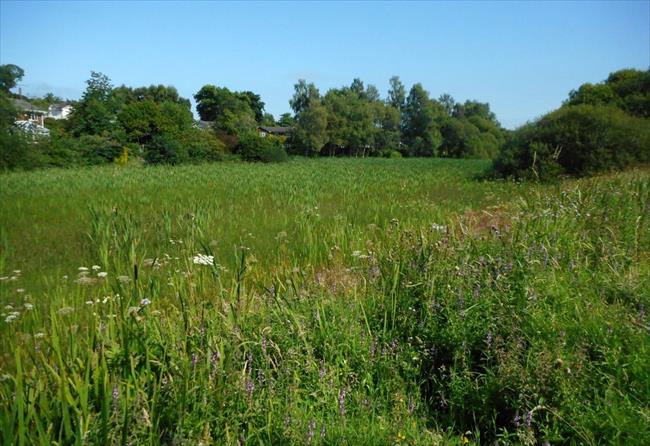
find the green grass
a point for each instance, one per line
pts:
(351, 302)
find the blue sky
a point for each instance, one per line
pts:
(521, 57)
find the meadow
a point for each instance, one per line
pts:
(323, 301)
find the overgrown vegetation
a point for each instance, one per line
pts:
(303, 304)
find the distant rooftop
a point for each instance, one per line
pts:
(23, 105)
(275, 130)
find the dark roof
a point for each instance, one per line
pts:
(275, 130)
(23, 105)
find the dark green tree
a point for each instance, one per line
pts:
(10, 75)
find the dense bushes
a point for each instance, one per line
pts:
(601, 127)
(267, 149)
(576, 140)
(191, 146)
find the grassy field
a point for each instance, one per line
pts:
(323, 302)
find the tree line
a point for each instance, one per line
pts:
(599, 127)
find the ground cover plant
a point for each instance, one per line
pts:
(332, 301)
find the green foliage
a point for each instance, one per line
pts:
(156, 93)
(286, 120)
(233, 113)
(576, 140)
(625, 89)
(421, 115)
(253, 147)
(145, 119)
(165, 149)
(10, 75)
(397, 93)
(303, 96)
(202, 146)
(600, 127)
(7, 112)
(310, 133)
(15, 152)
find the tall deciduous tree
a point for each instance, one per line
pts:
(94, 114)
(310, 133)
(303, 96)
(421, 118)
(396, 93)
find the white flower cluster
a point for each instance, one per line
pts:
(11, 316)
(202, 259)
(438, 228)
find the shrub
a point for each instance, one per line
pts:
(267, 149)
(94, 149)
(165, 149)
(203, 146)
(15, 153)
(575, 140)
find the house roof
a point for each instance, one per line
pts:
(275, 130)
(32, 127)
(59, 106)
(23, 105)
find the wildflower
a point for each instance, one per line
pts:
(203, 259)
(3, 278)
(116, 393)
(529, 419)
(488, 339)
(20, 290)
(250, 387)
(83, 280)
(39, 335)
(124, 279)
(96, 267)
(342, 401)
(28, 306)
(83, 269)
(310, 431)
(65, 310)
(517, 419)
(102, 274)
(144, 302)
(11, 317)
(17, 271)
(323, 430)
(356, 253)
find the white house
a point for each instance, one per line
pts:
(30, 119)
(59, 111)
